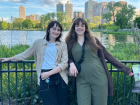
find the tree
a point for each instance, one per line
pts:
(60, 16)
(3, 25)
(45, 19)
(43, 22)
(137, 21)
(110, 23)
(112, 8)
(104, 25)
(97, 20)
(124, 15)
(18, 23)
(107, 16)
(92, 25)
(87, 20)
(63, 19)
(37, 24)
(53, 15)
(9, 26)
(28, 24)
(74, 19)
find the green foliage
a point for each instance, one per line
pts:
(28, 24)
(104, 25)
(63, 19)
(46, 19)
(3, 25)
(124, 15)
(92, 26)
(137, 21)
(97, 20)
(111, 13)
(123, 50)
(107, 16)
(17, 24)
(37, 24)
(113, 28)
(87, 20)
(111, 23)
(8, 52)
(10, 26)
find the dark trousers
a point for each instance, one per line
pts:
(55, 92)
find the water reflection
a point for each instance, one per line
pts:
(28, 37)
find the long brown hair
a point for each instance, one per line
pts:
(72, 38)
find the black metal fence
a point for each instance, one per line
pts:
(124, 99)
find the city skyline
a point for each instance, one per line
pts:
(10, 8)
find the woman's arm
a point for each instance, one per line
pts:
(22, 56)
(7, 59)
(114, 61)
(27, 53)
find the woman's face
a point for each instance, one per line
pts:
(54, 32)
(80, 29)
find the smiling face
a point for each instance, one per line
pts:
(80, 28)
(54, 31)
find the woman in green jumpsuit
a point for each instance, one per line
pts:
(93, 78)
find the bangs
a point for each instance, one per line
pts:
(78, 20)
(57, 25)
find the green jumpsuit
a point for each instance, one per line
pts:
(92, 79)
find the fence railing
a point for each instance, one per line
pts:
(14, 74)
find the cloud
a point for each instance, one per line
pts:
(78, 9)
(44, 2)
(7, 7)
(19, 1)
(6, 19)
(4, 0)
(49, 2)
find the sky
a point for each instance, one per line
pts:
(10, 8)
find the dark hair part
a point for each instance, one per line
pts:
(71, 37)
(51, 24)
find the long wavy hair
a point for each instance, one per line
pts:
(51, 24)
(72, 38)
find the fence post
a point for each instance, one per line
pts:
(1, 98)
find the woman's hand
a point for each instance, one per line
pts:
(131, 74)
(45, 75)
(73, 70)
(5, 59)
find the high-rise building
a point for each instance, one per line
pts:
(27, 17)
(101, 8)
(13, 19)
(69, 10)
(0, 19)
(59, 7)
(89, 9)
(78, 14)
(32, 17)
(22, 12)
(36, 16)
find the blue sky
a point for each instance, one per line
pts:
(10, 8)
